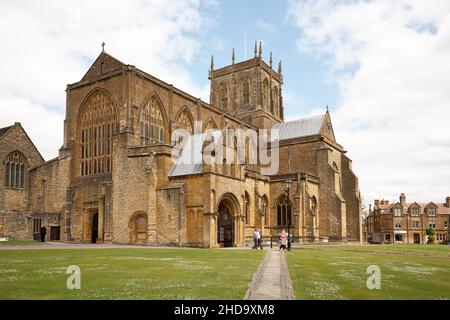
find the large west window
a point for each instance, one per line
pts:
(15, 171)
(98, 123)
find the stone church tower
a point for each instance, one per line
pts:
(250, 90)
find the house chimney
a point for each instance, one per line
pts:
(377, 203)
(402, 199)
(370, 208)
(447, 202)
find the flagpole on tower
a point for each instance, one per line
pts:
(245, 44)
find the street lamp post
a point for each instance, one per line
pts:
(289, 211)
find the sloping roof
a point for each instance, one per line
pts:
(110, 63)
(190, 161)
(4, 130)
(300, 128)
(441, 207)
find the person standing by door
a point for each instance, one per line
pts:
(43, 232)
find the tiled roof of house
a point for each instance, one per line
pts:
(441, 207)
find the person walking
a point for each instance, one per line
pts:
(283, 240)
(255, 239)
(43, 231)
(258, 240)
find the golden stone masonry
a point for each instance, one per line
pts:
(114, 180)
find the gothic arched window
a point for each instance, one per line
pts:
(183, 121)
(15, 171)
(247, 208)
(98, 123)
(283, 211)
(224, 99)
(337, 178)
(313, 205)
(264, 206)
(152, 123)
(266, 94)
(276, 110)
(246, 92)
(209, 124)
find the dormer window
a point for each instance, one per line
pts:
(397, 212)
(431, 211)
(415, 212)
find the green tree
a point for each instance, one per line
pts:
(430, 233)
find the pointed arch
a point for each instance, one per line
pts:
(245, 91)
(138, 228)
(232, 201)
(209, 124)
(184, 120)
(153, 121)
(89, 97)
(223, 97)
(284, 210)
(266, 95)
(97, 121)
(16, 168)
(276, 100)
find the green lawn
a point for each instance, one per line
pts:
(339, 272)
(13, 242)
(128, 273)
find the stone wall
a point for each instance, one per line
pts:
(353, 202)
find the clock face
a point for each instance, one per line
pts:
(329, 126)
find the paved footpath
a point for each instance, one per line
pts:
(271, 280)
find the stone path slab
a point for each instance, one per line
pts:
(271, 280)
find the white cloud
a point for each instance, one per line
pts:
(42, 125)
(266, 26)
(391, 61)
(47, 44)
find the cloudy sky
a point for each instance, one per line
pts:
(382, 66)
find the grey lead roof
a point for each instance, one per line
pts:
(299, 128)
(190, 160)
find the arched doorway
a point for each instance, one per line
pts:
(138, 228)
(225, 226)
(94, 230)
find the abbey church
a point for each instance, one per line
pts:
(116, 180)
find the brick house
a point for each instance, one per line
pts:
(404, 222)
